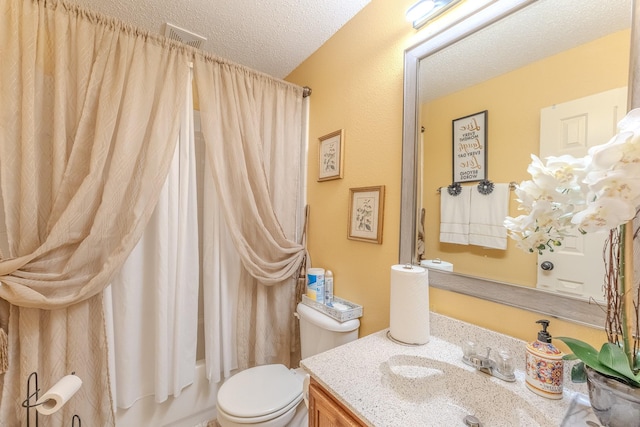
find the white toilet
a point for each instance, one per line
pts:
(272, 395)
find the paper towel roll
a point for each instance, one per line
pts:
(437, 264)
(409, 311)
(58, 395)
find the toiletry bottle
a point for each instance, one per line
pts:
(315, 284)
(328, 288)
(544, 367)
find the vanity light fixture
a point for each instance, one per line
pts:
(425, 10)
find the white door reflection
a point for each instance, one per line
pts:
(571, 128)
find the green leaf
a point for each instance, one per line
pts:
(589, 355)
(613, 357)
(578, 374)
(581, 350)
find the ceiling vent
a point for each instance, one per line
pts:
(183, 36)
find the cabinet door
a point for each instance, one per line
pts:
(325, 411)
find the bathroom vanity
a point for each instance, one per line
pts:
(375, 381)
(325, 410)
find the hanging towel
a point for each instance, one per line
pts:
(487, 217)
(454, 216)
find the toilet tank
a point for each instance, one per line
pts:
(320, 332)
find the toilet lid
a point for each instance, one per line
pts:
(259, 391)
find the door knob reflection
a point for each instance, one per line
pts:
(547, 266)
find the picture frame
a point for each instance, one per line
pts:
(366, 214)
(470, 147)
(331, 156)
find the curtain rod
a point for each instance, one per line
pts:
(306, 91)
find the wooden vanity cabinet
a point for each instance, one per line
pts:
(326, 411)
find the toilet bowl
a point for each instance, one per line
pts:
(263, 396)
(272, 395)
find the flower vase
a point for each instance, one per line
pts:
(614, 403)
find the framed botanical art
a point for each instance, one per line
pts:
(470, 148)
(366, 210)
(330, 155)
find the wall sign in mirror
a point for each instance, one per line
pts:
(330, 155)
(366, 212)
(470, 148)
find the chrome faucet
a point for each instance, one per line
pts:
(501, 368)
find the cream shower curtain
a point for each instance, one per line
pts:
(143, 326)
(252, 127)
(89, 120)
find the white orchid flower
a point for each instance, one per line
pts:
(616, 183)
(604, 214)
(597, 192)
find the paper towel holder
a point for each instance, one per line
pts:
(34, 395)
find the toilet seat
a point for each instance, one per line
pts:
(260, 394)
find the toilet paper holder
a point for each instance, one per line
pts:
(33, 380)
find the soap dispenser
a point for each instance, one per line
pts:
(545, 367)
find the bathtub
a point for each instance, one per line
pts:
(194, 407)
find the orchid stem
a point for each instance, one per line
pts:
(625, 284)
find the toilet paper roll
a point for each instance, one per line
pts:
(409, 311)
(437, 264)
(58, 395)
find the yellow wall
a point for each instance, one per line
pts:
(513, 101)
(356, 78)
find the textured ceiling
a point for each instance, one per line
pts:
(272, 36)
(544, 28)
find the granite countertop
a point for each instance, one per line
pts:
(385, 383)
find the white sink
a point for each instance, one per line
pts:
(449, 393)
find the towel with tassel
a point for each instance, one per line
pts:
(486, 220)
(454, 216)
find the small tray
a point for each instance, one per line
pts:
(353, 312)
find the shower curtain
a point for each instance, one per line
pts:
(245, 323)
(221, 266)
(89, 119)
(151, 307)
(252, 127)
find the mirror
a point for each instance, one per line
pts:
(456, 62)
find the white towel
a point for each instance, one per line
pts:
(486, 220)
(454, 216)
